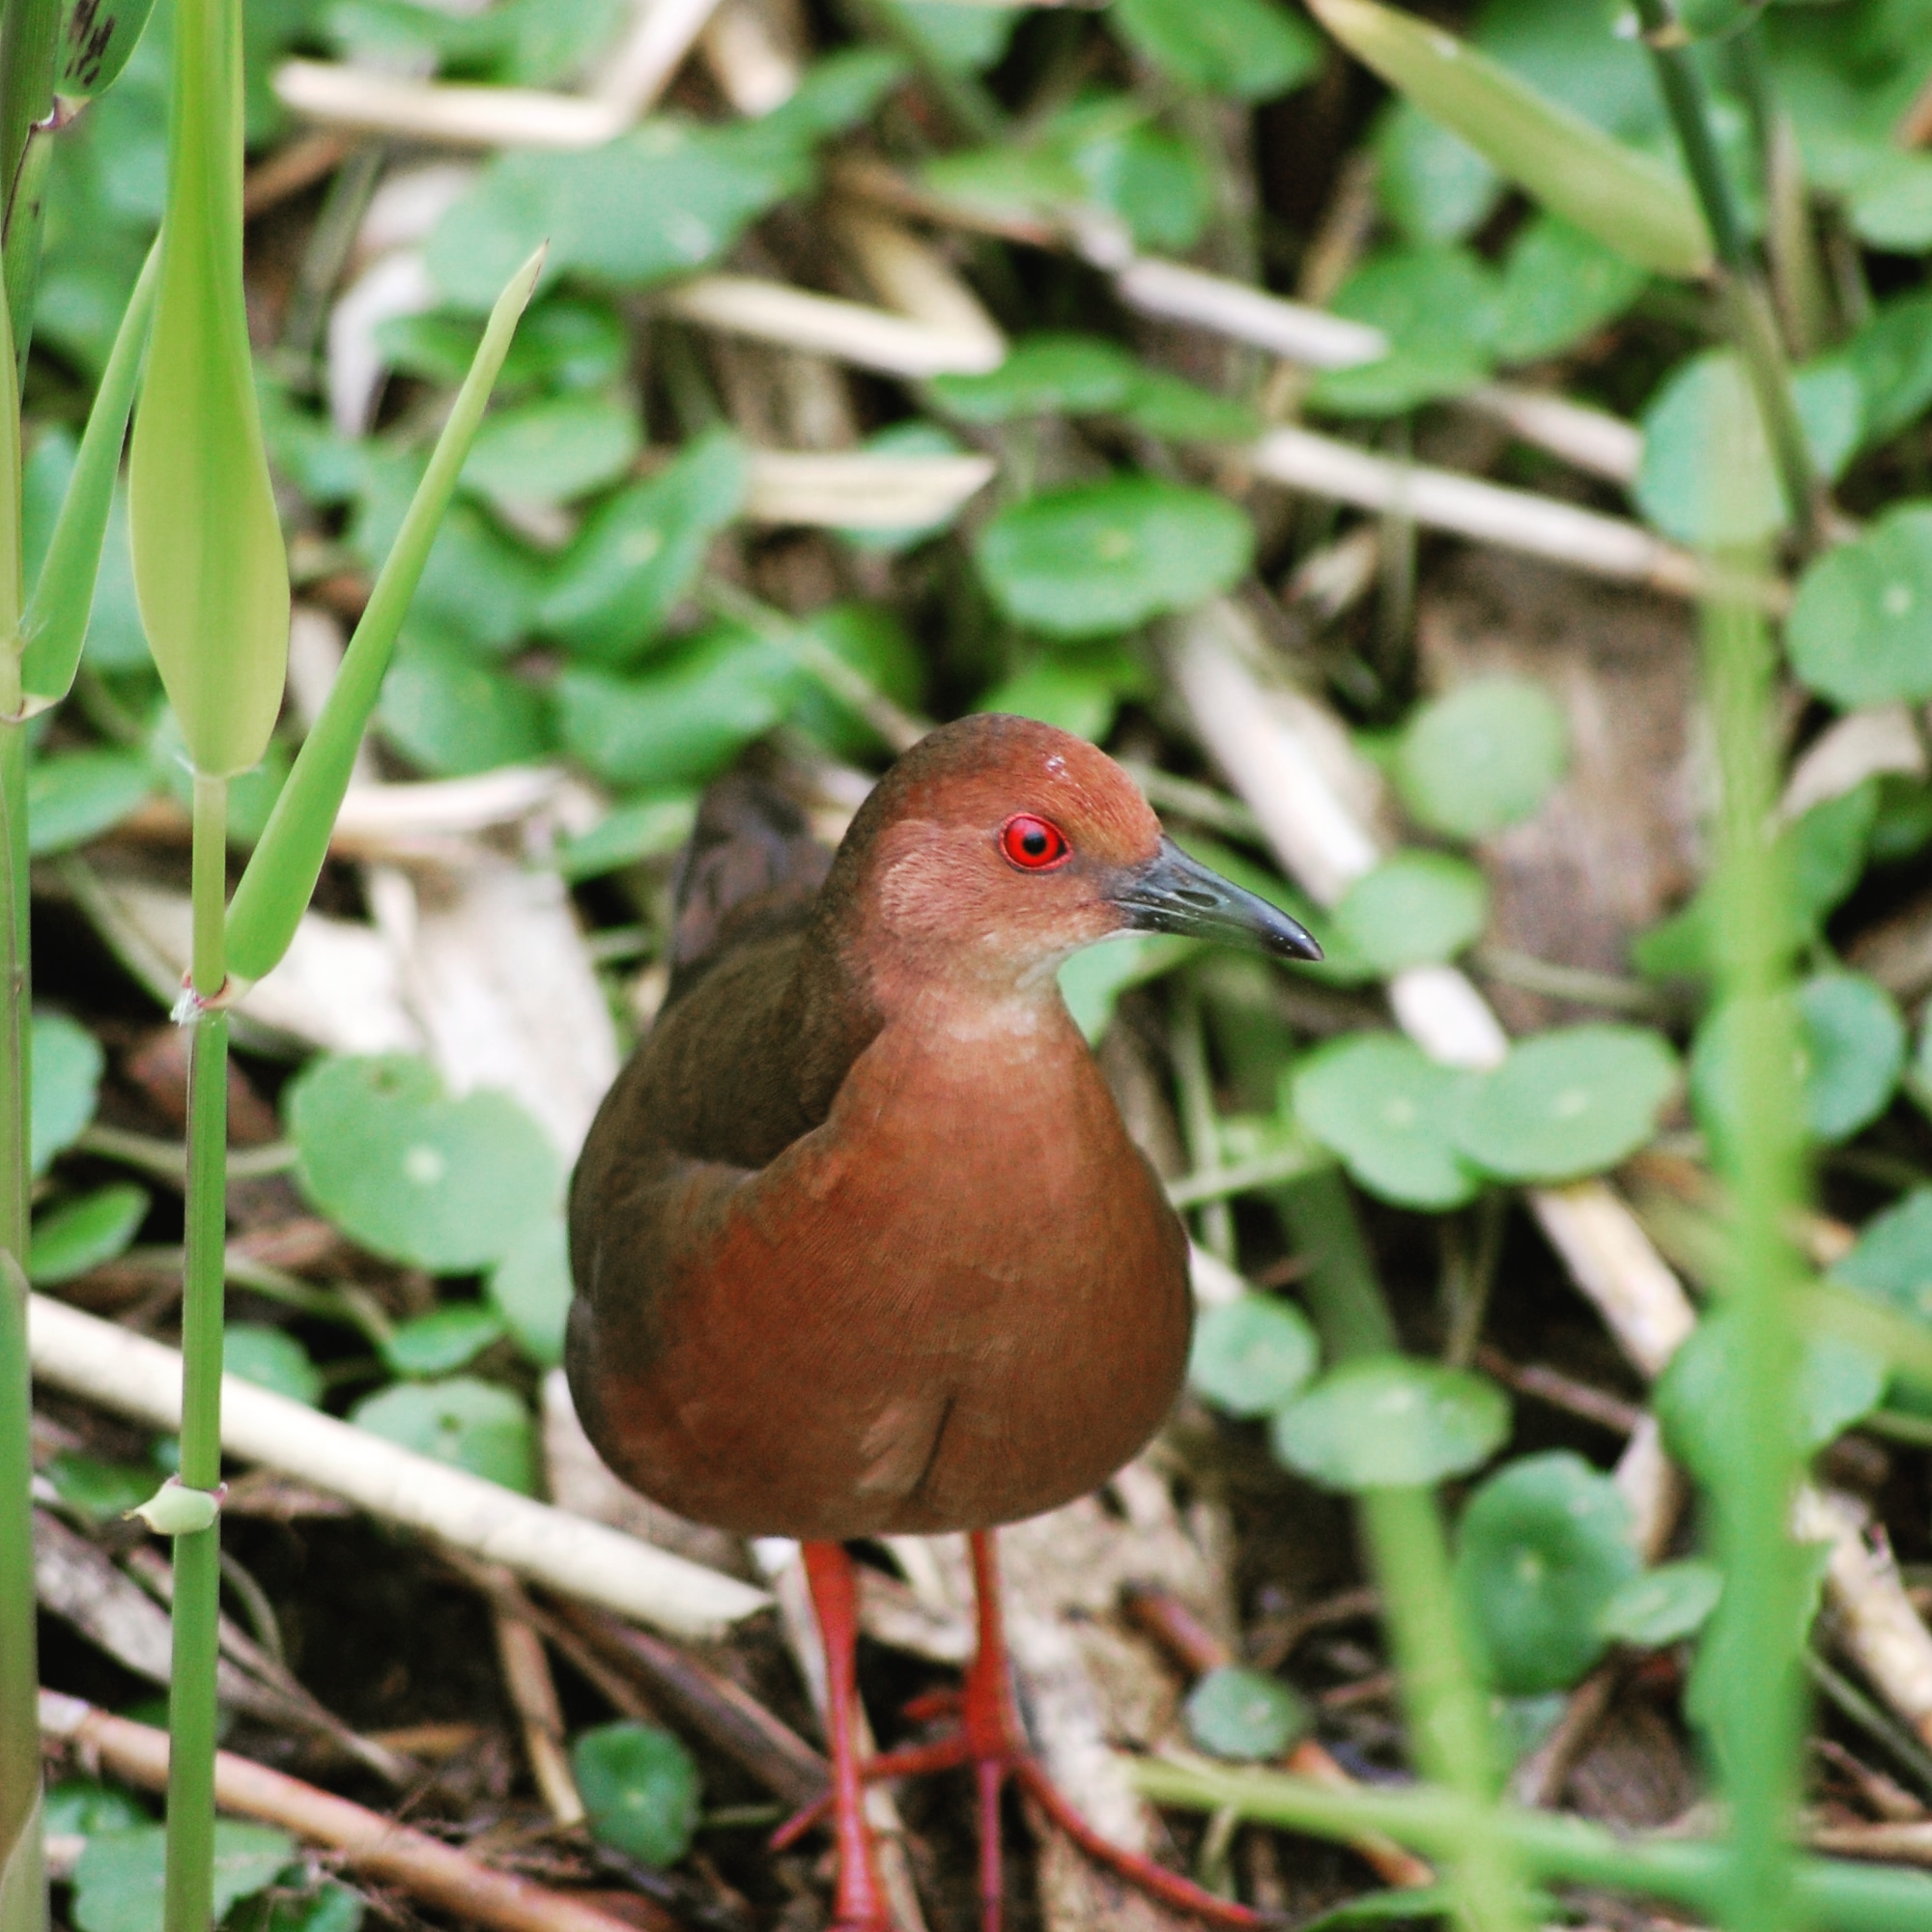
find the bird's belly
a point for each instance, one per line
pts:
(903, 1360)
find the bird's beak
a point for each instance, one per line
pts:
(1172, 892)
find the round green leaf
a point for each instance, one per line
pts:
(271, 1358)
(451, 713)
(413, 1175)
(1106, 557)
(79, 1808)
(1431, 184)
(1438, 307)
(1391, 1422)
(67, 1064)
(1851, 1051)
(1251, 1356)
(1482, 756)
(1665, 1605)
(554, 450)
(470, 1425)
(118, 1882)
(74, 796)
(1701, 1401)
(1894, 1256)
(1245, 1715)
(1414, 909)
(1560, 286)
(442, 1341)
(100, 1491)
(83, 1233)
(1705, 405)
(1379, 1101)
(531, 1289)
(1860, 628)
(1047, 373)
(1567, 1103)
(641, 1788)
(1544, 1546)
(1252, 49)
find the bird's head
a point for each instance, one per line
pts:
(996, 847)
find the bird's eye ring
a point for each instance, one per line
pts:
(1032, 843)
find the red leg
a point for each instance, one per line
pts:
(859, 1904)
(996, 1743)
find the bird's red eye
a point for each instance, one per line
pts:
(1034, 844)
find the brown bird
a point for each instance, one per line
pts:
(861, 1243)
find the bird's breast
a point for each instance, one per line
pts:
(962, 1300)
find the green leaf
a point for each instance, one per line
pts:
(411, 1174)
(271, 1358)
(328, 1908)
(1892, 1260)
(531, 1289)
(102, 1491)
(66, 1065)
(1560, 286)
(208, 564)
(683, 720)
(1092, 980)
(470, 1425)
(1049, 373)
(1665, 1605)
(657, 202)
(1482, 756)
(652, 827)
(1391, 1422)
(1107, 557)
(1380, 1103)
(1852, 1052)
(640, 554)
(1699, 1398)
(1170, 405)
(1156, 181)
(1081, 695)
(1249, 49)
(118, 1882)
(640, 1787)
(1542, 1548)
(54, 624)
(97, 37)
(1253, 1355)
(1567, 1103)
(1624, 199)
(84, 1233)
(451, 713)
(971, 39)
(1438, 307)
(1861, 627)
(552, 450)
(79, 1808)
(1891, 356)
(447, 1339)
(1245, 1715)
(872, 640)
(1432, 185)
(280, 877)
(1414, 909)
(75, 796)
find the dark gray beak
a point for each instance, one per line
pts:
(1172, 892)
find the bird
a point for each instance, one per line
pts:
(860, 1245)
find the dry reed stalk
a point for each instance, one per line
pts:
(443, 113)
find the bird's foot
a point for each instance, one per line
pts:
(994, 1760)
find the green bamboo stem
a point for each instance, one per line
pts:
(22, 1890)
(191, 1708)
(1747, 308)
(1759, 1697)
(1833, 1895)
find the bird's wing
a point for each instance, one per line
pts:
(751, 872)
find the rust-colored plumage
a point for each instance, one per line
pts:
(861, 1243)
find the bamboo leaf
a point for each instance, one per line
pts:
(55, 623)
(1576, 170)
(210, 569)
(97, 37)
(287, 860)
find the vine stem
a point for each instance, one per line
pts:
(1746, 300)
(191, 1706)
